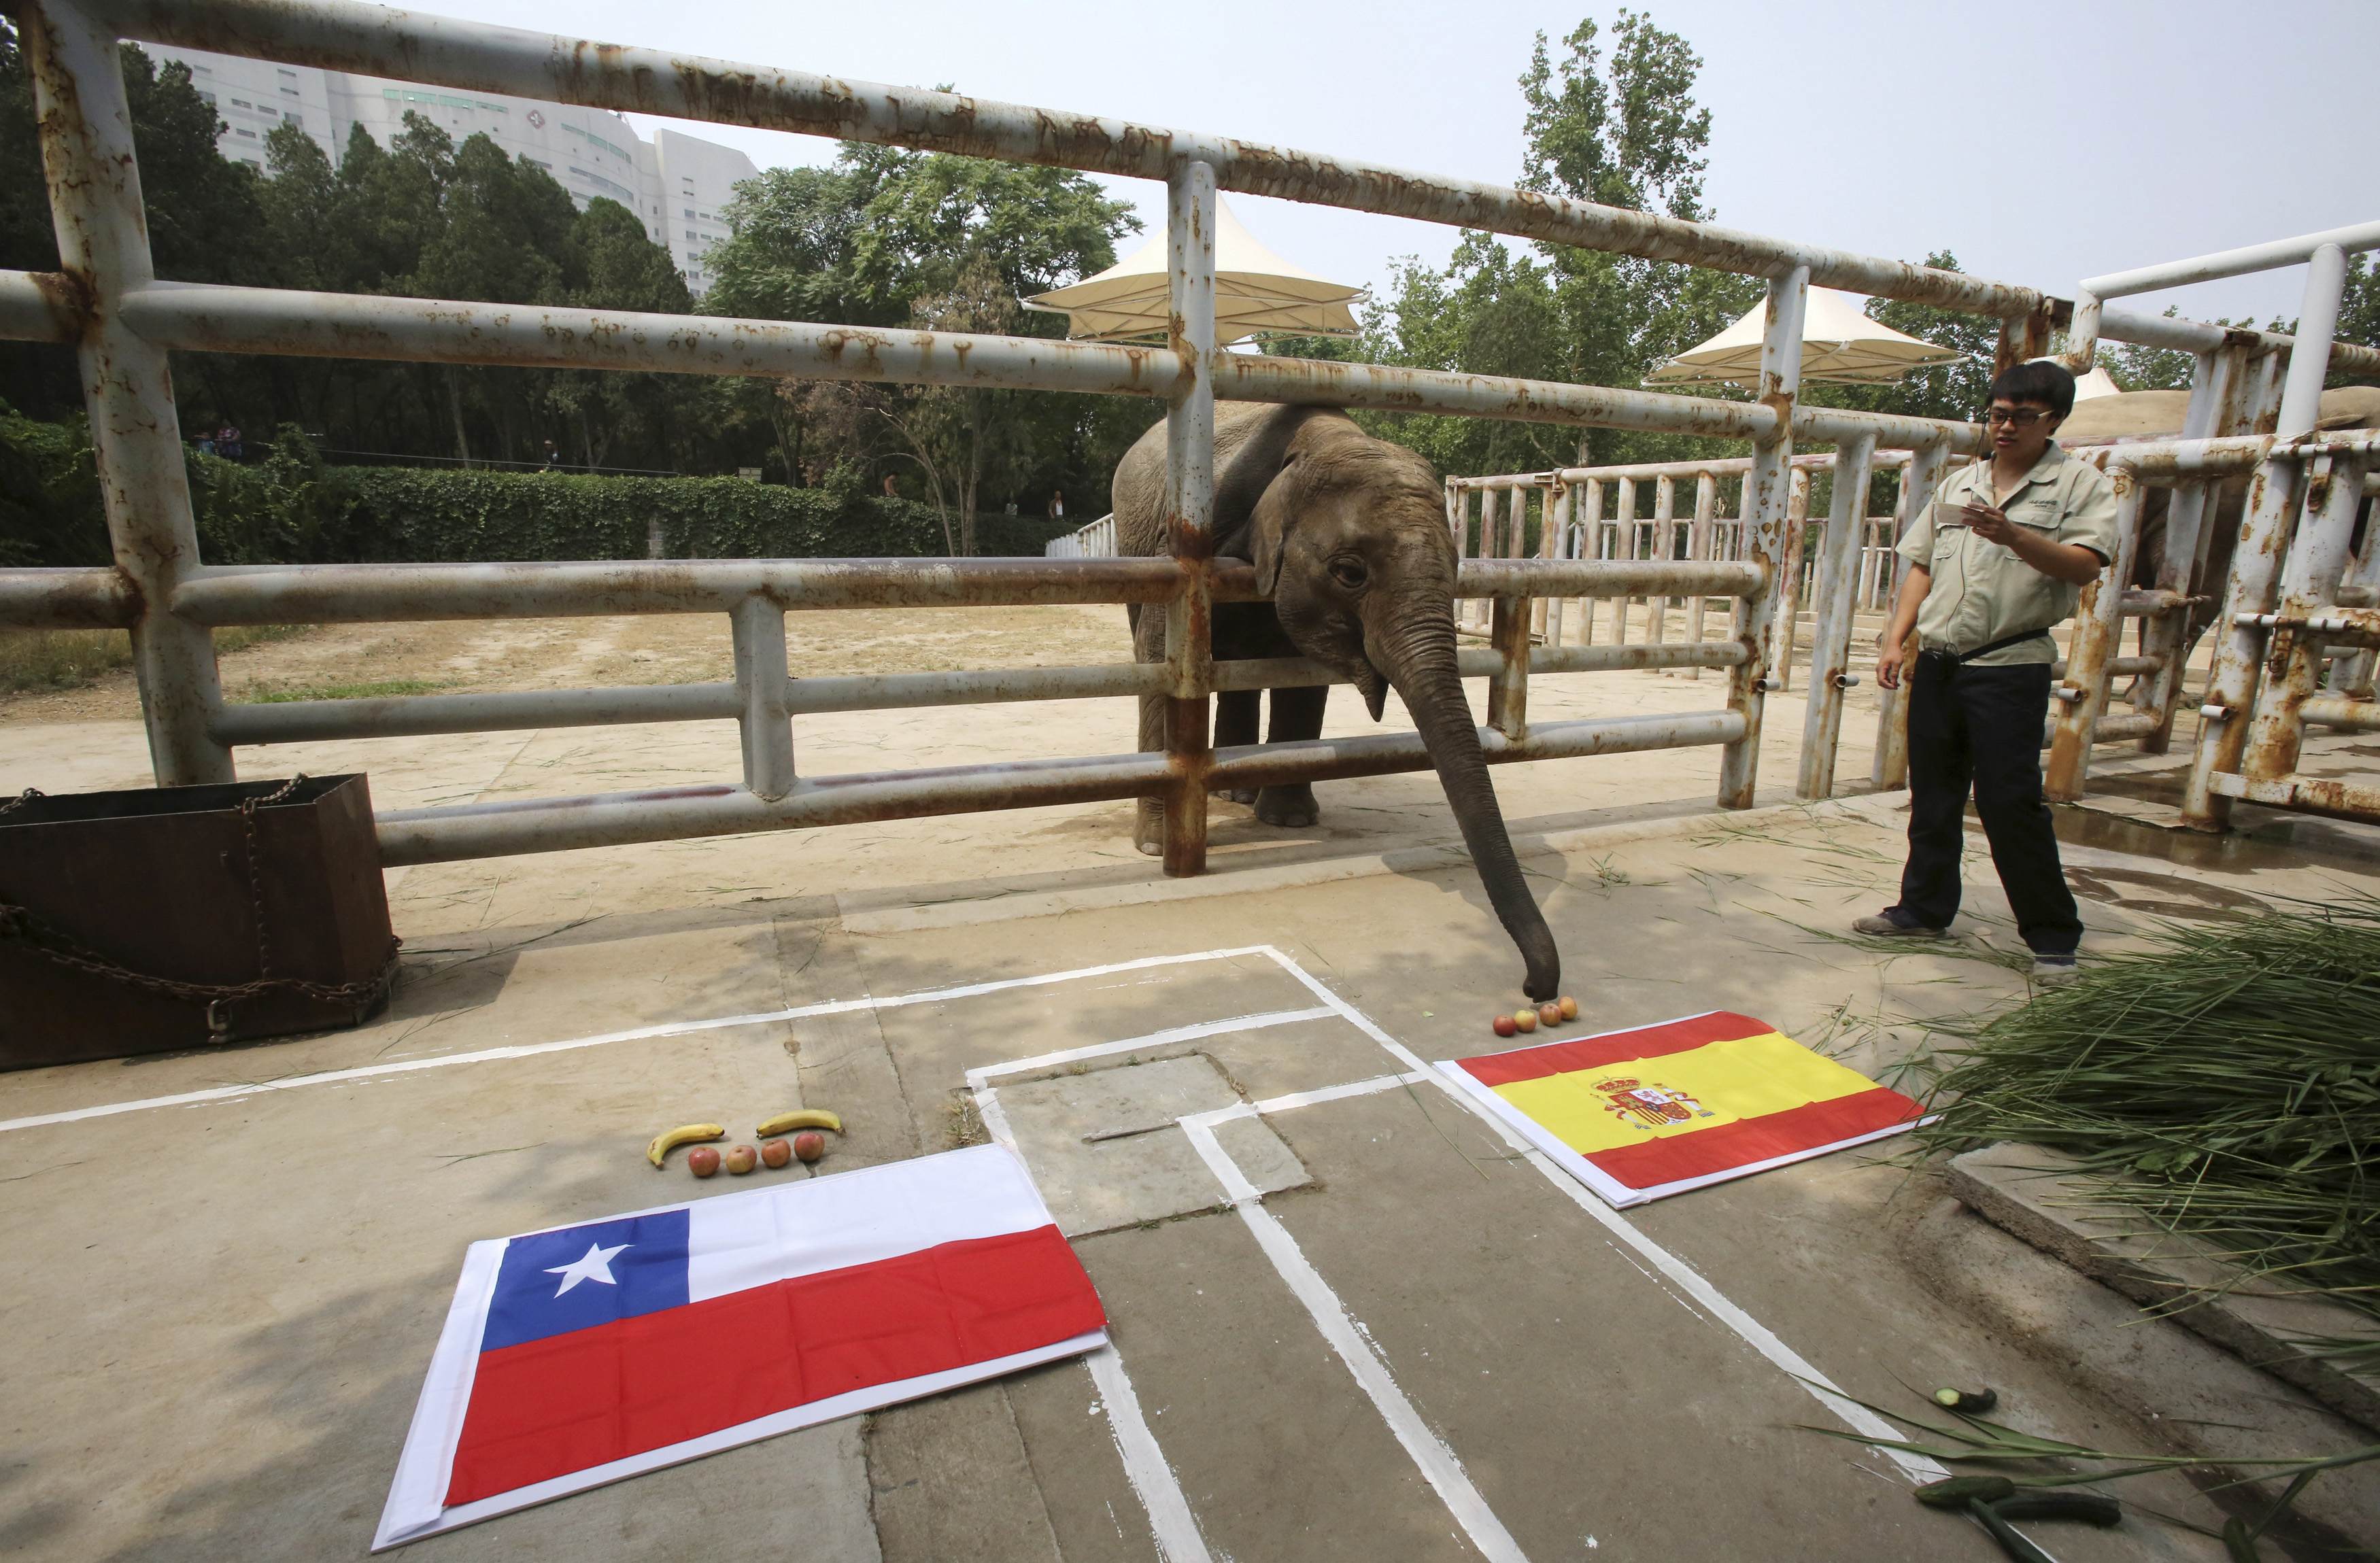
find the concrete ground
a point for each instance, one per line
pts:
(1407, 1339)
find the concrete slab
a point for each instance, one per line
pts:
(229, 1303)
(2183, 1393)
(2046, 1197)
(1105, 1149)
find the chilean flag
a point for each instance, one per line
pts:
(579, 1355)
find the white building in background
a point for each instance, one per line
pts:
(675, 183)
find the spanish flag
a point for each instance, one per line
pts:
(1637, 1115)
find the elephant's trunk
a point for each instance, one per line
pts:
(1416, 651)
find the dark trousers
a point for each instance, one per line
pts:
(1981, 727)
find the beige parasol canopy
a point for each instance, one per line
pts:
(1254, 290)
(1839, 342)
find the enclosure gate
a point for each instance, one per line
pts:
(123, 322)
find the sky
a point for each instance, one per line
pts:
(2040, 143)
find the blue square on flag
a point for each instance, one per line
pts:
(581, 1277)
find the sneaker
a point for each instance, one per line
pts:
(1893, 923)
(2053, 970)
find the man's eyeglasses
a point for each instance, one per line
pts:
(2016, 417)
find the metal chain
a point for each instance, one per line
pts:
(248, 809)
(58, 949)
(19, 801)
(17, 923)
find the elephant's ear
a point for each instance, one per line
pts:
(1270, 522)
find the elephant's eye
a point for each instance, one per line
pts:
(1350, 573)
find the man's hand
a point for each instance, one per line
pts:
(2064, 562)
(1990, 523)
(1890, 660)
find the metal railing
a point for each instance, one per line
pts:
(123, 322)
(1097, 540)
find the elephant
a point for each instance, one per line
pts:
(1349, 539)
(2136, 415)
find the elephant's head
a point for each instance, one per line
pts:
(1350, 539)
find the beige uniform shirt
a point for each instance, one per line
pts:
(1982, 591)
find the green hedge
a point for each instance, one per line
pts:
(290, 508)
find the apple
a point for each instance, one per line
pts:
(775, 1153)
(1550, 1014)
(810, 1144)
(1504, 1026)
(702, 1160)
(742, 1159)
(1524, 1020)
(1569, 1007)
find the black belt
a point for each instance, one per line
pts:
(2001, 644)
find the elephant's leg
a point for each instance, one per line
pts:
(1236, 713)
(1296, 717)
(1148, 646)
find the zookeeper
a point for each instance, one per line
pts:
(2000, 555)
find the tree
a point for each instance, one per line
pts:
(891, 239)
(206, 222)
(1625, 132)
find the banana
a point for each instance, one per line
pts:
(807, 1118)
(684, 1135)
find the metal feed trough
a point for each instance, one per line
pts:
(123, 322)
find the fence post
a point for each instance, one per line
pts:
(2273, 502)
(2309, 585)
(86, 132)
(2163, 635)
(1699, 545)
(1917, 481)
(1623, 536)
(1190, 514)
(1764, 510)
(1788, 611)
(1590, 546)
(758, 630)
(1665, 548)
(1557, 546)
(1508, 692)
(1830, 636)
(2098, 628)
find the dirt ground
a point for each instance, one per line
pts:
(456, 657)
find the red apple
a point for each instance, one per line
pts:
(702, 1160)
(810, 1144)
(1569, 1007)
(742, 1159)
(775, 1153)
(1504, 1026)
(1550, 1014)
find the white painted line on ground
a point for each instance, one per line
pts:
(1438, 1464)
(1858, 1418)
(636, 1034)
(1145, 1465)
(977, 1077)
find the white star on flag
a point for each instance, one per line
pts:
(594, 1265)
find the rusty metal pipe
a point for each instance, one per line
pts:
(1765, 528)
(322, 594)
(41, 306)
(338, 35)
(2097, 622)
(1890, 765)
(195, 317)
(85, 126)
(1607, 578)
(69, 599)
(2347, 715)
(1831, 633)
(439, 835)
